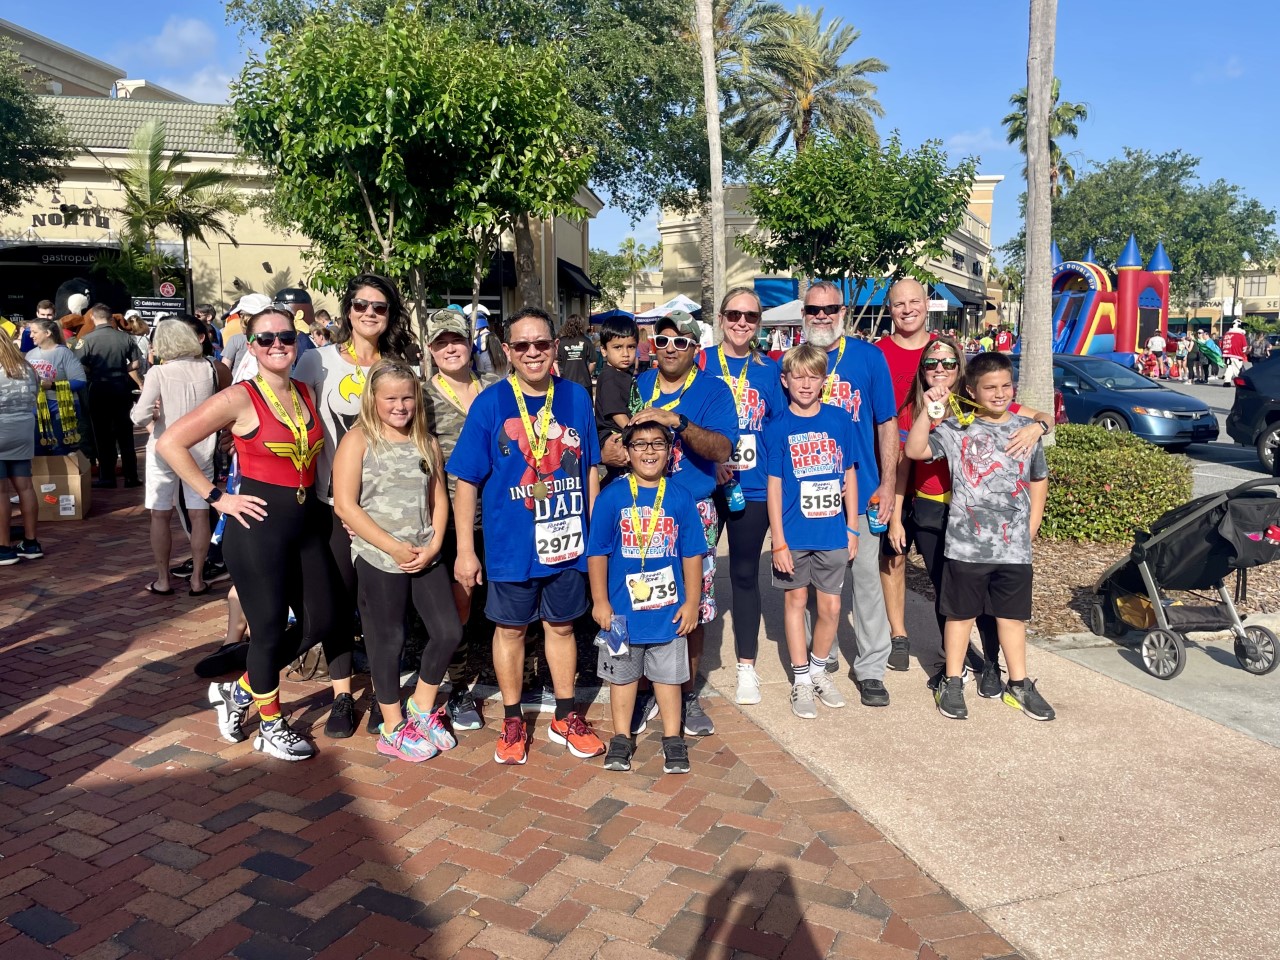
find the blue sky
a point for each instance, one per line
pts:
(1157, 76)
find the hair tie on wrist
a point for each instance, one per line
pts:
(853, 530)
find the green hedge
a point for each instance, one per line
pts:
(1103, 486)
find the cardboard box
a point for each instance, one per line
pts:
(62, 487)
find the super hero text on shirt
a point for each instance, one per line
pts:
(664, 538)
(814, 452)
(844, 395)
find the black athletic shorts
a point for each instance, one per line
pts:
(1002, 590)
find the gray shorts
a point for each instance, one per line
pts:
(821, 569)
(660, 662)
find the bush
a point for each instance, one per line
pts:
(1104, 486)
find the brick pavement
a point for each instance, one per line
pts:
(128, 829)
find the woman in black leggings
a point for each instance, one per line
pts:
(276, 550)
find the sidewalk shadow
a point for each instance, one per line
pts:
(732, 911)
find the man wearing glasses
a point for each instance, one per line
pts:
(699, 409)
(529, 449)
(858, 381)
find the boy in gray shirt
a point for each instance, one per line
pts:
(997, 502)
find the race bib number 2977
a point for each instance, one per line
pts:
(558, 541)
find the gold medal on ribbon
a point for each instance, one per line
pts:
(640, 591)
(302, 495)
(540, 491)
(830, 383)
(537, 438)
(303, 452)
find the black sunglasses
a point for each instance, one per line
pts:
(379, 307)
(947, 364)
(830, 309)
(268, 339)
(662, 341)
(751, 316)
(525, 346)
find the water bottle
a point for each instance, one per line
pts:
(733, 496)
(873, 515)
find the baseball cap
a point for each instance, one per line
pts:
(480, 309)
(446, 321)
(680, 321)
(130, 314)
(252, 303)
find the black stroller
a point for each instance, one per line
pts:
(1194, 547)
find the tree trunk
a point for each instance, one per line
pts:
(420, 307)
(477, 275)
(155, 266)
(706, 258)
(1035, 382)
(711, 98)
(528, 276)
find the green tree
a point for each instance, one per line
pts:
(797, 84)
(636, 258)
(845, 207)
(608, 272)
(160, 195)
(414, 159)
(33, 147)
(1064, 121)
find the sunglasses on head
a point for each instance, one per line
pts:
(526, 346)
(734, 316)
(830, 309)
(662, 341)
(268, 339)
(379, 307)
(947, 363)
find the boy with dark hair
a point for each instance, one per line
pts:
(997, 503)
(616, 398)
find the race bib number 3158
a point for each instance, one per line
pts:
(820, 499)
(558, 541)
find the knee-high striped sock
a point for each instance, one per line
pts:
(268, 704)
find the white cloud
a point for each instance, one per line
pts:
(181, 41)
(1230, 69)
(206, 85)
(976, 141)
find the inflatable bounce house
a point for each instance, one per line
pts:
(1091, 315)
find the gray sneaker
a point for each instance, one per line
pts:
(646, 709)
(802, 702)
(899, 653)
(825, 687)
(278, 740)
(1027, 699)
(696, 721)
(990, 685)
(950, 699)
(230, 714)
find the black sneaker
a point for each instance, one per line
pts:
(183, 570)
(900, 653)
(833, 661)
(1027, 699)
(342, 718)
(463, 712)
(30, 550)
(873, 693)
(675, 755)
(646, 709)
(621, 749)
(375, 717)
(990, 685)
(950, 699)
(214, 572)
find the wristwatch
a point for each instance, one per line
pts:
(1044, 425)
(684, 422)
(213, 496)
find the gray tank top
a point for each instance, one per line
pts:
(393, 492)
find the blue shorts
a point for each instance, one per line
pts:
(14, 468)
(559, 598)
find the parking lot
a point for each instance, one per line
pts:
(1222, 464)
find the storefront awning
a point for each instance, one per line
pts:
(940, 292)
(577, 279)
(775, 291)
(969, 298)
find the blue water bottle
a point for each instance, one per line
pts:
(733, 496)
(873, 515)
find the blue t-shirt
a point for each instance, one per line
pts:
(527, 537)
(707, 403)
(762, 400)
(811, 454)
(678, 536)
(864, 390)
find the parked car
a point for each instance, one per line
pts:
(1100, 391)
(1254, 419)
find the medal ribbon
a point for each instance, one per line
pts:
(443, 384)
(298, 429)
(964, 418)
(657, 388)
(740, 387)
(831, 377)
(537, 444)
(646, 536)
(359, 374)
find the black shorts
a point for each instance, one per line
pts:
(918, 513)
(1002, 590)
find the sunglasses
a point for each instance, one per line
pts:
(947, 364)
(531, 346)
(287, 338)
(662, 341)
(734, 316)
(830, 309)
(379, 307)
(657, 446)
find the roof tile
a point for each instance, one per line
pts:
(109, 123)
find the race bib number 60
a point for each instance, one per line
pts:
(820, 499)
(744, 454)
(558, 541)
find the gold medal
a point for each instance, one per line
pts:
(830, 383)
(540, 491)
(640, 591)
(302, 495)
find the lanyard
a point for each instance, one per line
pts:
(358, 376)
(538, 439)
(964, 418)
(741, 386)
(831, 377)
(657, 387)
(645, 536)
(443, 384)
(298, 429)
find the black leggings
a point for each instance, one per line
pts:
(384, 601)
(340, 547)
(931, 544)
(746, 538)
(110, 402)
(283, 563)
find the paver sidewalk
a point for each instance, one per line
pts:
(127, 829)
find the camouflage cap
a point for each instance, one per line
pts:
(447, 321)
(680, 321)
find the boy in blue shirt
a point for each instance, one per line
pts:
(644, 558)
(813, 519)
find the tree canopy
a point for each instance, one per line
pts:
(1064, 121)
(33, 147)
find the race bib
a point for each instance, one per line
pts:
(558, 541)
(820, 499)
(744, 454)
(656, 587)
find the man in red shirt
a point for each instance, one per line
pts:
(1235, 347)
(1004, 340)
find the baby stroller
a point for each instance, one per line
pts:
(1194, 547)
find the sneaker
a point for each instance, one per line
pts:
(8, 556)
(950, 699)
(802, 702)
(965, 677)
(990, 685)
(342, 717)
(576, 734)
(974, 661)
(873, 693)
(696, 721)
(513, 744)
(899, 653)
(183, 570)
(1027, 699)
(431, 725)
(30, 550)
(407, 743)
(277, 739)
(646, 709)
(620, 752)
(748, 684)
(230, 714)
(463, 712)
(675, 755)
(375, 717)
(825, 688)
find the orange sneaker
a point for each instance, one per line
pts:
(576, 734)
(513, 743)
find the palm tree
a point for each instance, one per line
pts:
(711, 104)
(635, 258)
(158, 195)
(1064, 121)
(797, 84)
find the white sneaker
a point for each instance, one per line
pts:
(748, 684)
(802, 703)
(825, 687)
(278, 740)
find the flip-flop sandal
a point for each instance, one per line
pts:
(152, 588)
(201, 592)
